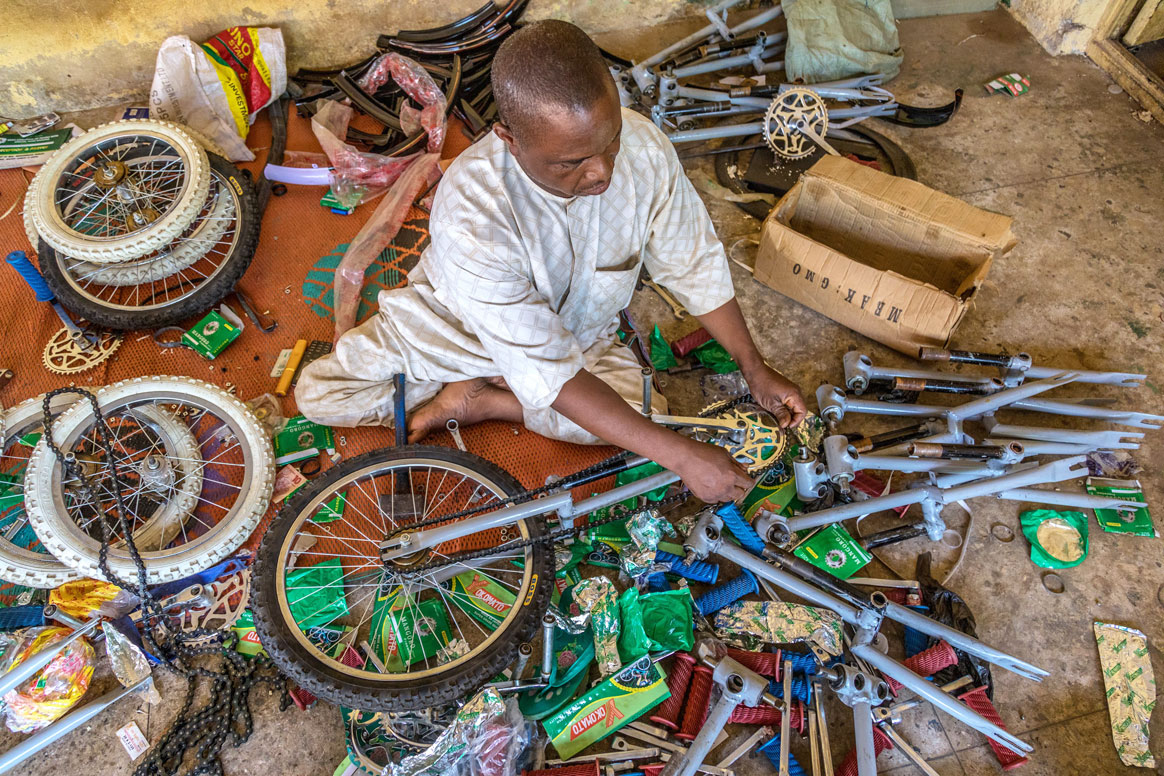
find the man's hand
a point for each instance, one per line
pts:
(711, 474)
(777, 394)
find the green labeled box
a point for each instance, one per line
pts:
(300, 439)
(610, 705)
(834, 550)
(211, 335)
(481, 597)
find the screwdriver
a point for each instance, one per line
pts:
(19, 260)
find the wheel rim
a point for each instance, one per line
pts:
(367, 589)
(118, 186)
(172, 273)
(16, 532)
(186, 466)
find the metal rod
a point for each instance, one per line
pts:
(684, 43)
(1076, 410)
(1079, 500)
(786, 718)
(648, 374)
(919, 685)
(547, 646)
(826, 752)
(863, 732)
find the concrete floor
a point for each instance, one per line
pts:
(1084, 180)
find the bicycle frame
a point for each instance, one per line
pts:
(865, 613)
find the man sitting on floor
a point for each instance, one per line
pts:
(539, 232)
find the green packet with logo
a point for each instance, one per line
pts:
(481, 597)
(300, 439)
(610, 705)
(211, 335)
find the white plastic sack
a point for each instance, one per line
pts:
(832, 39)
(218, 86)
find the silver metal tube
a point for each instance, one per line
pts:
(759, 19)
(683, 43)
(892, 463)
(648, 374)
(713, 65)
(562, 503)
(26, 670)
(786, 581)
(941, 700)
(689, 763)
(1034, 447)
(62, 727)
(714, 133)
(1101, 440)
(771, 67)
(1128, 379)
(986, 404)
(786, 718)
(1079, 500)
(1075, 410)
(960, 640)
(1055, 471)
(504, 516)
(857, 509)
(910, 753)
(826, 750)
(547, 647)
(863, 732)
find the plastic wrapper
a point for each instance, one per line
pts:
(487, 738)
(1058, 538)
(268, 410)
(646, 530)
(632, 638)
(1131, 690)
(129, 663)
(782, 623)
(668, 620)
(55, 688)
(662, 358)
(811, 432)
(357, 176)
(86, 597)
(598, 603)
(712, 355)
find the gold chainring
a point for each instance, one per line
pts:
(63, 356)
(762, 443)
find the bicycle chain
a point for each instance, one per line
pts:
(227, 712)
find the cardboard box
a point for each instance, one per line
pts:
(887, 257)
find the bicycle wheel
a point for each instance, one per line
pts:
(320, 589)
(23, 559)
(120, 191)
(180, 280)
(197, 469)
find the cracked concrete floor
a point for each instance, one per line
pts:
(1084, 179)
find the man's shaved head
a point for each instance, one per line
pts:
(558, 108)
(544, 67)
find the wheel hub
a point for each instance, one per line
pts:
(109, 174)
(156, 473)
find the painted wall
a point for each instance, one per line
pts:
(69, 55)
(1060, 26)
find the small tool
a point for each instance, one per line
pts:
(19, 261)
(455, 429)
(678, 310)
(265, 322)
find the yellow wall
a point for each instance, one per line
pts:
(68, 55)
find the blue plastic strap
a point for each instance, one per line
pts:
(19, 261)
(734, 521)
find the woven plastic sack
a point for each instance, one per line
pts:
(217, 86)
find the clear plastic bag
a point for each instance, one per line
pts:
(487, 738)
(358, 176)
(53, 690)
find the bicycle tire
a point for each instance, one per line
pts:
(54, 266)
(40, 203)
(280, 637)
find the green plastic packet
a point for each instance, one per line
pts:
(1058, 538)
(668, 620)
(661, 356)
(632, 638)
(713, 356)
(317, 593)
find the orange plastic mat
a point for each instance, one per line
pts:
(284, 280)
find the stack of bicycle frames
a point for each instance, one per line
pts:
(457, 55)
(138, 227)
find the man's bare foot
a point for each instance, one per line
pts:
(467, 402)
